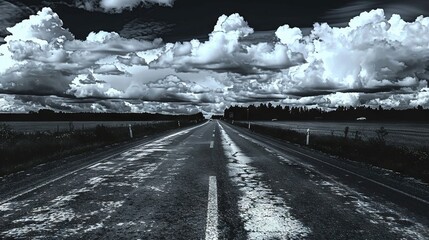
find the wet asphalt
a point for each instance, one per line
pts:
(157, 188)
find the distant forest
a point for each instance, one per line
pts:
(270, 112)
(50, 115)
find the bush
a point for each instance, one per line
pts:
(6, 132)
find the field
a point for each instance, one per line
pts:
(67, 126)
(399, 133)
(26, 144)
(401, 153)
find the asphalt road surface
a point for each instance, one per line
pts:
(211, 181)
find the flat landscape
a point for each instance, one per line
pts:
(399, 133)
(66, 125)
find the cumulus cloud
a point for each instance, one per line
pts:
(168, 89)
(374, 60)
(118, 5)
(224, 51)
(41, 57)
(87, 86)
(372, 54)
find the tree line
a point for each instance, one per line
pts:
(50, 115)
(341, 113)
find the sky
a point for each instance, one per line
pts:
(188, 56)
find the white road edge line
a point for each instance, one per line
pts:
(88, 166)
(347, 171)
(212, 212)
(211, 144)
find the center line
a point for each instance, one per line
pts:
(212, 215)
(211, 144)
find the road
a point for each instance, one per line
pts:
(212, 181)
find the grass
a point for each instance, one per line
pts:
(21, 151)
(412, 162)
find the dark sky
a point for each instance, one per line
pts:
(195, 18)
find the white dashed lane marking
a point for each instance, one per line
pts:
(212, 212)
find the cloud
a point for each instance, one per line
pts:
(225, 51)
(87, 86)
(8, 104)
(103, 43)
(169, 89)
(374, 60)
(44, 27)
(41, 57)
(118, 5)
(371, 53)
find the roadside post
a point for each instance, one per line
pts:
(308, 137)
(131, 130)
(178, 123)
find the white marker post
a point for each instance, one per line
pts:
(131, 130)
(308, 137)
(178, 123)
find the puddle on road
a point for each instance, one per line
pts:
(265, 215)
